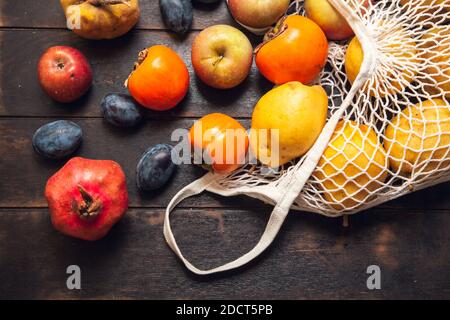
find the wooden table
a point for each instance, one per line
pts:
(314, 257)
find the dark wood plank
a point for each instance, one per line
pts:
(436, 197)
(112, 62)
(48, 14)
(24, 173)
(313, 257)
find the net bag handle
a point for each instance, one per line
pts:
(275, 222)
(302, 173)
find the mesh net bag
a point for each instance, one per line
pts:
(388, 128)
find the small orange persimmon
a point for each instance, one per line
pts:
(222, 140)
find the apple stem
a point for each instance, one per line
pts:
(89, 208)
(99, 3)
(218, 60)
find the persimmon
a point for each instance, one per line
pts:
(160, 79)
(221, 140)
(296, 50)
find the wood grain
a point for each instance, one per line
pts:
(313, 257)
(24, 173)
(112, 62)
(49, 14)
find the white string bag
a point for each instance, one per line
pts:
(389, 147)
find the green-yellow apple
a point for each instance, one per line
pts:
(222, 56)
(329, 19)
(258, 13)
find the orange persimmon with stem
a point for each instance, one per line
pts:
(160, 79)
(296, 50)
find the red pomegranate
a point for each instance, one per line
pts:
(87, 197)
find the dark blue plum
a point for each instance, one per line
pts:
(177, 14)
(155, 167)
(57, 139)
(121, 110)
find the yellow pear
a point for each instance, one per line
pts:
(353, 165)
(418, 134)
(286, 122)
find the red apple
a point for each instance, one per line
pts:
(222, 56)
(64, 73)
(258, 13)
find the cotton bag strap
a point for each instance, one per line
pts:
(302, 172)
